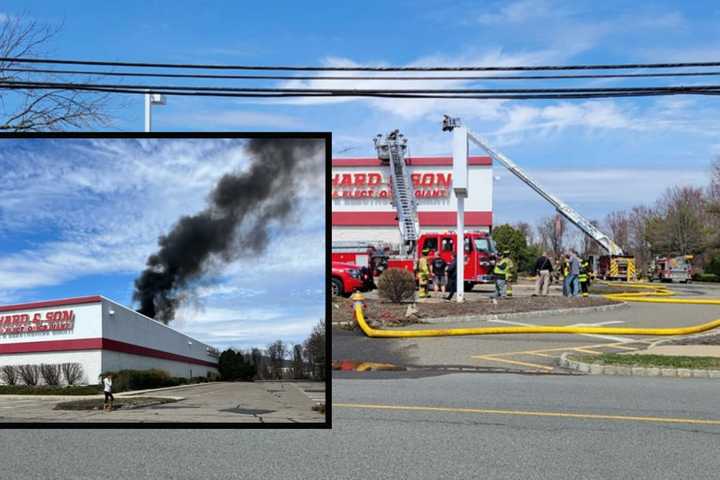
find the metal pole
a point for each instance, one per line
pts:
(460, 249)
(148, 114)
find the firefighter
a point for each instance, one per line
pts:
(423, 273)
(501, 271)
(584, 277)
(510, 274)
(565, 270)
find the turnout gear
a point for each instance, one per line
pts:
(423, 275)
(584, 277)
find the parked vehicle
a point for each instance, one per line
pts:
(347, 278)
(480, 254)
(671, 269)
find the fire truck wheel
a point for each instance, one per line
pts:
(336, 287)
(469, 286)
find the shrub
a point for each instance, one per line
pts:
(72, 372)
(50, 373)
(141, 379)
(9, 374)
(397, 285)
(50, 390)
(30, 374)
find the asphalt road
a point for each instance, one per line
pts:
(526, 352)
(512, 426)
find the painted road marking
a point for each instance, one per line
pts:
(488, 411)
(513, 362)
(594, 335)
(586, 350)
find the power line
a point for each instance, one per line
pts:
(49, 61)
(320, 77)
(144, 88)
(334, 93)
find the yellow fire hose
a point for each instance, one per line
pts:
(627, 297)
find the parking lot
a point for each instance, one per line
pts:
(241, 402)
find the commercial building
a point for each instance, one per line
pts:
(361, 208)
(99, 334)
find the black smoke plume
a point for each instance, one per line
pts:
(241, 208)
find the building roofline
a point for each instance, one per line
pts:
(52, 303)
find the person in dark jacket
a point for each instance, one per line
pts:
(452, 277)
(543, 269)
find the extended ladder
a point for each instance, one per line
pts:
(391, 148)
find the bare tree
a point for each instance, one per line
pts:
(9, 374)
(639, 220)
(680, 228)
(527, 230)
(30, 374)
(72, 372)
(315, 349)
(619, 225)
(50, 109)
(277, 352)
(552, 234)
(298, 363)
(50, 373)
(259, 361)
(588, 245)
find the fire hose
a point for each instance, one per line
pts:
(653, 296)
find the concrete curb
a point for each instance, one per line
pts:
(632, 371)
(511, 316)
(532, 314)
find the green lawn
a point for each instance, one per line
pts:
(662, 361)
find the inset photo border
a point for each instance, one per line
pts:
(165, 280)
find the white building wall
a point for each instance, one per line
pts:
(114, 361)
(128, 326)
(386, 234)
(88, 359)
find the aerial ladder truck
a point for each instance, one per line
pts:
(613, 266)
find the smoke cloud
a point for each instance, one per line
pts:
(242, 207)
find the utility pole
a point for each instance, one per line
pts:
(150, 100)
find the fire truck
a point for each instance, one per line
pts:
(615, 265)
(671, 269)
(379, 256)
(480, 254)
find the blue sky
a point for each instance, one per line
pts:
(80, 217)
(599, 155)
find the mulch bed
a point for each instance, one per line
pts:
(390, 313)
(706, 339)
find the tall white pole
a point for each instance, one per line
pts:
(148, 114)
(460, 249)
(460, 187)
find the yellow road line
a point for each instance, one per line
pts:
(623, 347)
(488, 411)
(586, 350)
(541, 355)
(514, 362)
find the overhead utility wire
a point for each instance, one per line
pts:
(338, 91)
(361, 69)
(191, 91)
(320, 77)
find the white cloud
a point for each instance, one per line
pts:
(519, 12)
(235, 119)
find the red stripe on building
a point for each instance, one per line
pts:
(412, 161)
(51, 303)
(427, 219)
(97, 344)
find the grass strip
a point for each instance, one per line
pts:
(661, 361)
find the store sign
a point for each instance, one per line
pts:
(374, 185)
(54, 320)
